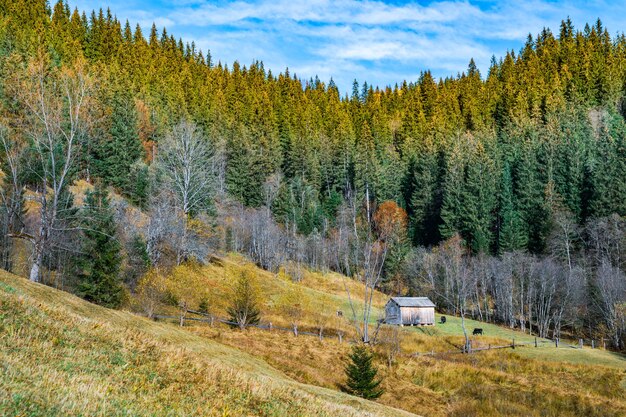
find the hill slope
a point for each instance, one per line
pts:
(60, 355)
(493, 383)
(63, 356)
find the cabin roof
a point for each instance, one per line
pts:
(413, 301)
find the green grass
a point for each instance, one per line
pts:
(546, 351)
(585, 356)
(452, 327)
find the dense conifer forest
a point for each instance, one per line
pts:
(500, 195)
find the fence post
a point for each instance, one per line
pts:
(603, 344)
(556, 342)
(295, 330)
(489, 346)
(321, 334)
(513, 345)
(580, 343)
(340, 334)
(535, 341)
(593, 343)
(270, 326)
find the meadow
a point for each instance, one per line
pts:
(63, 356)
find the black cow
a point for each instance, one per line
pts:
(477, 331)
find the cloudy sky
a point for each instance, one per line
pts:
(381, 42)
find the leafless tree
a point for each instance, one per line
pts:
(523, 272)
(390, 341)
(611, 284)
(362, 254)
(185, 160)
(458, 280)
(503, 289)
(271, 187)
(11, 191)
(606, 239)
(545, 282)
(164, 229)
(480, 269)
(55, 105)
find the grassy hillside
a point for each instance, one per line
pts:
(503, 382)
(60, 355)
(325, 294)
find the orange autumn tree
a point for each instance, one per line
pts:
(391, 221)
(372, 237)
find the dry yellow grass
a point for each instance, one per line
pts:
(518, 383)
(66, 356)
(60, 355)
(492, 383)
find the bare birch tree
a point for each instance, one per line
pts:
(611, 284)
(55, 104)
(11, 192)
(186, 162)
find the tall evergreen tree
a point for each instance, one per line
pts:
(100, 258)
(479, 202)
(116, 152)
(451, 218)
(512, 235)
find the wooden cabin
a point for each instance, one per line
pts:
(410, 311)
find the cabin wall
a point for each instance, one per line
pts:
(418, 315)
(392, 313)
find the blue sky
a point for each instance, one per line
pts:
(381, 42)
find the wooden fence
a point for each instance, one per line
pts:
(210, 319)
(269, 326)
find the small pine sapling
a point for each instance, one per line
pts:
(361, 375)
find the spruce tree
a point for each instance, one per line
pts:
(479, 199)
(512, 235)
(100, 259)
(424, 202)
(116, 152)
(452, 199)
(361, 375)
(529, 195)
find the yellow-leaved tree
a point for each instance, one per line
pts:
(150, 291)
(293, 305)
(186, 286)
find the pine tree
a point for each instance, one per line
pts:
(479, 201)
(100, 259)
(361, 375)
(452, 201)
(511, 231)
(115, 153)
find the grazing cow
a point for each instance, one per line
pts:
(443, 319)
(477, 331)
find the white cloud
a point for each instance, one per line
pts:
(371, 40)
